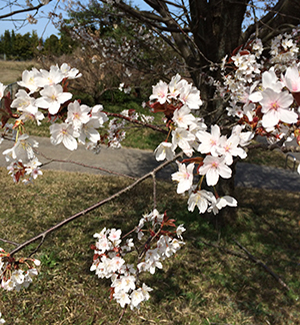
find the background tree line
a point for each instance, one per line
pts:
(15, 46)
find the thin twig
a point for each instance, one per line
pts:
(223, 249)
(259, 262)
(122, 314)
(12, 13)
(9, 242)
(132, 120)
(154, 190)
(95, 206)
(39, 245)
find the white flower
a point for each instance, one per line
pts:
(29, 80)
(182, 138)
(179, 231)
(201, 199)
(96, 113)
(23, 101)
(275, 107)
(49, 78)
(52, 97)
(68, 72)
(77, 115)
(184, 177)
(212, 168)
(115, 235)
(209, 141)
(174, 86)
(160, 92)
(136, 298)
(32, 167)
(63, 133)
(122, 298)
(222, 202)
(229, 147)
(88, 130)
(164, 151)
(292, 79)
(190, 96)
(182, 117)
(22, 149)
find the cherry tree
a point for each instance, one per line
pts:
(201, 33)
(253, 89)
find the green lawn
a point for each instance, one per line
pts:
(211, 281)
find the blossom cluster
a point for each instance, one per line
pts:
(215, 151)
(267, 102)
(111, 250)
(46, 92)
(16, 274)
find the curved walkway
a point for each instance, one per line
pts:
(135, 162)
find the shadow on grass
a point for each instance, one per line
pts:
(200, 285)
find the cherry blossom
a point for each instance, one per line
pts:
(63, 133)
(164, 151)
(184, 177)
(160, 92)
(29, 80)
(209, 142)
(52, 97)
(212, 168)
(201, 199)
(218, 204)
(275, 107)
(291, 79)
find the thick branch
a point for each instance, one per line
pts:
(284, 12)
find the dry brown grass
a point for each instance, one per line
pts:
(11, 71)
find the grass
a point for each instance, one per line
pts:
(200, 285)
(11, 71)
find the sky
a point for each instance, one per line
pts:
(44, 28)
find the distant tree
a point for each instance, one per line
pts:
(67, 44)
(117, 50)
(52, 45)
(22, 48)
(6, 43)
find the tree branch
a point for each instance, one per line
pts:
(12, 13)
(259, 262)
(129, 119)
(93, 207)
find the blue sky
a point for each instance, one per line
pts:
(43, 27)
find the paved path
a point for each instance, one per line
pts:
(134, 162)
